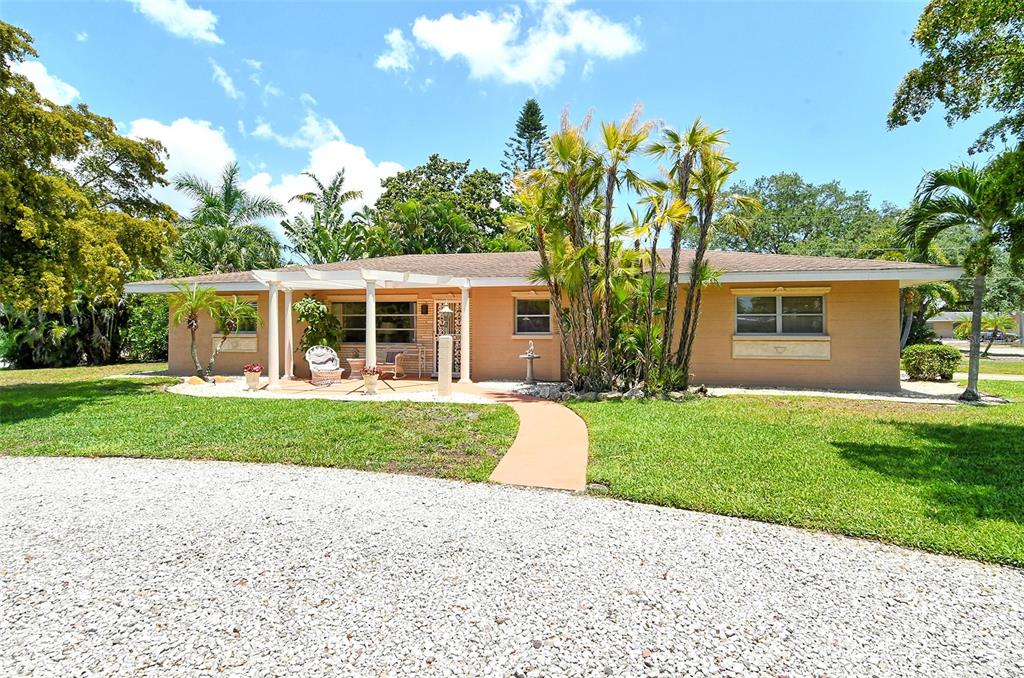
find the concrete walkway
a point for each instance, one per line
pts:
(550, 449)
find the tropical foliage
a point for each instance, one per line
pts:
(190, 303)
(962, 197)
(322, 327)
(992, 324)
(568, 206)
(325, 235)
(224, 231)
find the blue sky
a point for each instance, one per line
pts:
(290, 86)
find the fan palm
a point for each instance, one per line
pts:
(325, 236)
(960, 197)
(228, 218)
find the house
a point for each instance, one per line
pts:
(944, 324)
(773, 320)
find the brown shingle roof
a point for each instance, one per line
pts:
(522, 264)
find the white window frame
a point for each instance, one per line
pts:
(413, 315)
(517, 315)
(778, 316)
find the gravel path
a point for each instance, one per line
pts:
(193, 568)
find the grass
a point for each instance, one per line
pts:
(948, 479)
(76, 412)
(990, 366)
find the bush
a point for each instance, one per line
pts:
(145, 335)
(930, 361)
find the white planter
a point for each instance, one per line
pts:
(252, 380)
(370, 382)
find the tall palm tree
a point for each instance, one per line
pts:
(224, 232)
(960, 196)
(683, 149)
(733, 214)
(621, 140)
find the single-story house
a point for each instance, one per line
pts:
(944, 324)
(772, 320)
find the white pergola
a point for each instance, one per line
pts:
(370, 280)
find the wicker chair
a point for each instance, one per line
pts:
(324, 366)
(392, 364)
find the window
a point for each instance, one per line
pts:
(396, 321)
(780, 315)
(246, 326)
(533, 316)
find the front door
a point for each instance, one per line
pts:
(455, 329)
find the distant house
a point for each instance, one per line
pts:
(945, 323)
(773, 320)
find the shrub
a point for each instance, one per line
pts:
(322, 327)
(930, 361)
(145, 335)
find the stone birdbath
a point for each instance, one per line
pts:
(529, 357)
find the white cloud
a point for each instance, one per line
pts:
(82, 36)
(254, 64)
(314, 131)
(221, 77)
(307, 99)
(271, 90)
(498, 46)
(329, 152)
(193, 147)
(180, 19)
(398, 55)
(48, 85)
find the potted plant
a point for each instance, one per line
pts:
(252, 375)
(370, 376)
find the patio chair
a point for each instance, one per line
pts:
(392, 364)
(324, 366)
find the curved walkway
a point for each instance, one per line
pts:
(551, 447)
(181, 568)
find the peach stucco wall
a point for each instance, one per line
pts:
(862, 321)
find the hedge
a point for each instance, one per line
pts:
(930, 361)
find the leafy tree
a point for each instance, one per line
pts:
(961, 197)
(973, 59)
(800, 217)
(440, 187)
(524, 150)
(229, 315)
(75, 211)
(145, 333)
(224, 232)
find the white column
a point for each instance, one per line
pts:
(371, 323)
(289, 333)
(464, 348)
(273, 337)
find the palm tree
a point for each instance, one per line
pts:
(325, 236)
(961, 197)
(684, 150)
(229, 315)
(990, 322)
(224, 232)
(620, 142)
(189, 302)
(733, 214)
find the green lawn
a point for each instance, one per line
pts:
(77, 412)
(943, 478)
(989, 366)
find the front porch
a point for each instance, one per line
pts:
(417, 309)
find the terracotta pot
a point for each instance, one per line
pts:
(370, 382)
(252, 380)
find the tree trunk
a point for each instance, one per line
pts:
(908, 321)
(651, 285)
(195, 356)
(672, 294)
(213, 356)
(974, 364)
(609, 196)
(691, 310)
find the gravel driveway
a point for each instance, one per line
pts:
(187, 568)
